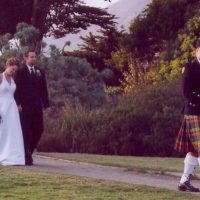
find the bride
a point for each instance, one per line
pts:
(11, 138)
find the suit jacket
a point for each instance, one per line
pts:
(31, 91)
(191, 88)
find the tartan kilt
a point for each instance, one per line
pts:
(188, 139)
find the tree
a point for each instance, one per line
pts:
(157, 25)
(183, 49)
(152, 38)
(98, 49)
(26, 36)
(69, 79)
(72, 79)
(52, 17)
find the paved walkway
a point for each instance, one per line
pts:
(47, 164)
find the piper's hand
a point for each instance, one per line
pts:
(19, 108)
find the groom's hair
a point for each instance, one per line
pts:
(13, 61)
(27, 51)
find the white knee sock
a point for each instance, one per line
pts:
(190, 163)
(199, 160)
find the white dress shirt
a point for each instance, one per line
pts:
(31, 67)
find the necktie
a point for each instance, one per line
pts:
(32, 71)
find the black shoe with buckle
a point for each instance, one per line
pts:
(186, 186)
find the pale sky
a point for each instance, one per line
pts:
(99, 3)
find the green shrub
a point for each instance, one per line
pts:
(144, 124)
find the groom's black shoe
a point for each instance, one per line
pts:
(29, 160)
(29, 163)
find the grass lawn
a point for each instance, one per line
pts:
(142, 164)
(19, 184)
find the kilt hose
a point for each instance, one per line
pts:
(188, 139)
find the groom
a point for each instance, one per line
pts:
(31, 97)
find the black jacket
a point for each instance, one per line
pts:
(191, 88)
(31, 91)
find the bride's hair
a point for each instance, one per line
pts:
(13, 61)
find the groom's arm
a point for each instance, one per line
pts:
(45, 95)
(17, 93)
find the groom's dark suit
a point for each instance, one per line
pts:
(31, 93)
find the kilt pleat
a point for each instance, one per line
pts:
(188, 139)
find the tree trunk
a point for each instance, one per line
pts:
(38, 19)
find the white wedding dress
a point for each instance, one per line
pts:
(11, 138)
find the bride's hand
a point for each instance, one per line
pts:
(19, 108)
(47, 110)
